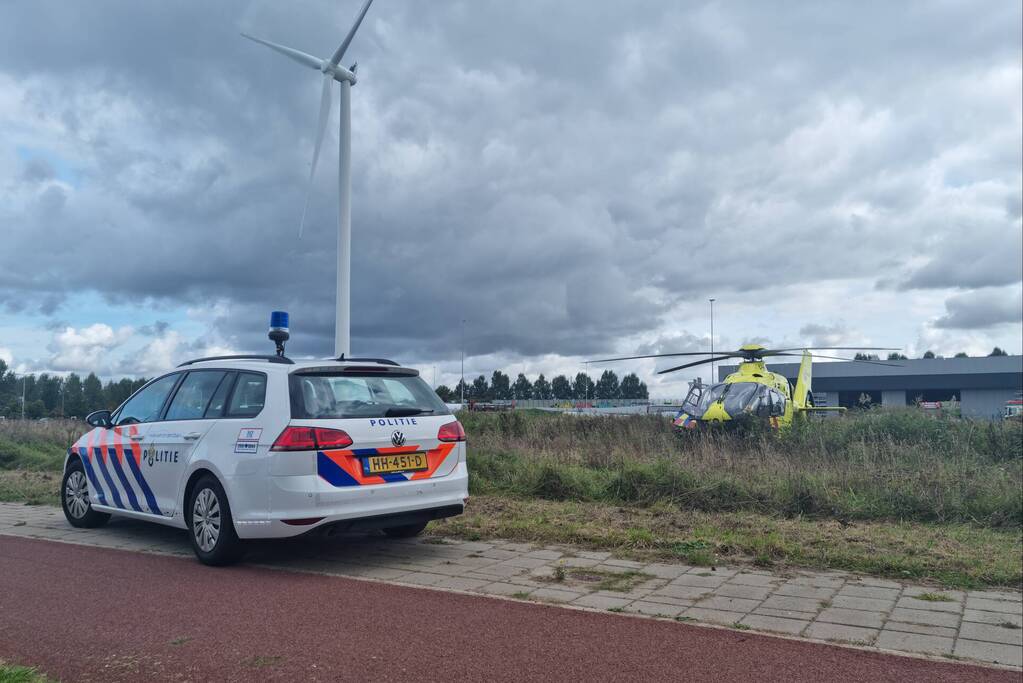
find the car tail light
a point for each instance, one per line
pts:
(452, 431)
(332, 438)
(310, 439)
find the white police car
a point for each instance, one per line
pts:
(243, 447)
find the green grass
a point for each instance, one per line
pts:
(31, 457)
(934, 597)
(953, 555)
(875, 465)
(605, 580)
(887, 492)
(39, 446)
(264, 661)
(10, 673)
(27, 486)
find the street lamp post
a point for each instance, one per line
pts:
(712, 341)
(462, 396)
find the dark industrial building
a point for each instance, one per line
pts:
(981, 386)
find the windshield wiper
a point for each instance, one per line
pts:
(405, 412)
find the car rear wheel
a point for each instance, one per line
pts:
(74, 499)
(210, 526)
(406, 531)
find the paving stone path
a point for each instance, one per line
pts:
(838, 607)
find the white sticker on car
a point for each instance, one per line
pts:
(248, 440)
(250, 434)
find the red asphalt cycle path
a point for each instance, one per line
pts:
(81, 613)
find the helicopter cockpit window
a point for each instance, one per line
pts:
(772, 403)
(753, 398)
(741, 397)
(701, 397)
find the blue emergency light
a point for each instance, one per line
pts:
(279, 330)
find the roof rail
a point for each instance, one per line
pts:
(270, 359)
(382, 361)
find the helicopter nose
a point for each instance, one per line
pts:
(716, 413)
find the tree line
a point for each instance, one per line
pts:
(55, 396)
(927, 354)
(582, 387)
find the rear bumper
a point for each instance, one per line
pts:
(388, 521)
(303, 503)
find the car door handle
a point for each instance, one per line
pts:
(192, 436)
(137, 437)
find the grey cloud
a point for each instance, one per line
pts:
(157, 329)
(824, 335)
(981, 309)
(561, 175)
(37, 170)
(967, 259)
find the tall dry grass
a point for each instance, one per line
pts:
(37, 445)
(881, 464)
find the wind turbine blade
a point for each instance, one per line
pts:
(297, 55)
(340, 52)
(321, 129)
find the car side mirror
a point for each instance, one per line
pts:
(100, 418)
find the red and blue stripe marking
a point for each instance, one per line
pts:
(95, 458)
(346, 467)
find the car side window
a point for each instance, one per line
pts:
(145, 406)
(194, 394)
(219, 400)
(248, 396)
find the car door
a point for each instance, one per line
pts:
(172, 441)
(119, 470)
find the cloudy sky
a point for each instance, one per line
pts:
(574, 179)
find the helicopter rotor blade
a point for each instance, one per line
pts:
(773, 352)
(740, 353)
(699, 362)
(851, 360)
(663, 355)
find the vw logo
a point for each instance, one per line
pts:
(398, 439)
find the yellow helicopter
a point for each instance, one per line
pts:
(752, 391)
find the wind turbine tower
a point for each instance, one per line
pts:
(332, 71)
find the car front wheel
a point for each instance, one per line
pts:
(74, 499)
(211, 528)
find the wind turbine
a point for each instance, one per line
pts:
(333, 71)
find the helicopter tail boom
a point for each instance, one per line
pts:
(802, 396)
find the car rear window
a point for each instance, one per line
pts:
(248, 396)
(193, 395)
(347, 395)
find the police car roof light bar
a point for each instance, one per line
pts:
(278, 333)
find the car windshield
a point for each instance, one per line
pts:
(347, 395)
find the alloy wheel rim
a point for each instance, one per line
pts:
(206, 520)
(76, 494)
